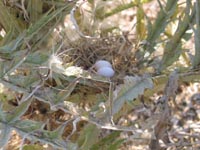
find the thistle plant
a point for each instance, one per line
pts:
(52, 95)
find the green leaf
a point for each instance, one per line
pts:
(28, 126)
(13, 45)
(15, 63)
(54, 138)
(115, 145)
(173, 49)
(140, 26)
(66, 92)
(2, 115)
(18, 112)
(110, 142)
(8, 20)
(5, 132)
(88, 137)
(8, 37)
(119, 9)
(37, 58)
(56, 134)
(45, 19)
(23, 81)
(131, 89)
(35, 9)
(196, 61)
(172, 56)
(160, 23)
(33, 147)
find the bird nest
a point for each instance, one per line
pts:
(117, 50)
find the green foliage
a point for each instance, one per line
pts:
(173, 48)
(110, 142)
(119, 9)
(33, 147)
(196, 30)
(33, 69)
(13, 45)
(34, 130)
(35, 10)
(10, 120)
(9, 21)
(88, 137)
(140, 27)
(131, 89)
(160, 23)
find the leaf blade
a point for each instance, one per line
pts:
(131, 89)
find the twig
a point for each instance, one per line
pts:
(75, 22)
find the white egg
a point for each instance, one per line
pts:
(102, 63)
(106, 72)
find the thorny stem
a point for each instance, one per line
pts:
(184, 77)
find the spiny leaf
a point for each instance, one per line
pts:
(5, 132)
(46, 19)
(23, 81)
(8, 37)
(89, 136)
(172, 49)
(8, 20)
(53, 138)
(16, 62)
(65, 93)
(37, 58)
(132, 88)
(18, 112)
(115, 145)
(13, 45)
(175, 50)
(55, 134)
(33, 147)
(110, 142)
(160, 23)
(28, 126)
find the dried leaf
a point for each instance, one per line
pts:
(161, 130)
(172, 85)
